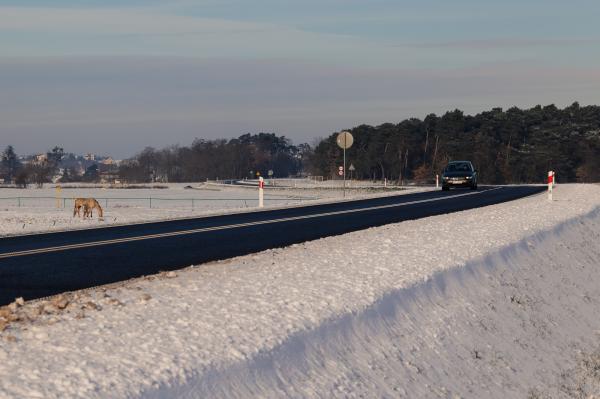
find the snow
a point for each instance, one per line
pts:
(499, 301)
(37, 210)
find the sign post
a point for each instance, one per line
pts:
(344, 140)
(272, 181)
(261, 194)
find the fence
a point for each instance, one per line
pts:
(142, 202)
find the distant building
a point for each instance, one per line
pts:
(58, 176)
(108, 171)
(40, 158)
(108, 161)
(89, 157)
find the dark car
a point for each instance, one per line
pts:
(459, 174)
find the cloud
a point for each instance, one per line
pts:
(26, 31)
(117, 21)
(500, 43)
(119, 105)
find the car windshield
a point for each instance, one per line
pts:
(458, 167)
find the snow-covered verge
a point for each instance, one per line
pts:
(514, 324)
(500, 301)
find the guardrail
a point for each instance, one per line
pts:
(146, 202)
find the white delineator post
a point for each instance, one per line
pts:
(553, 178)
(261, 194)
(437, 181)
(550, 184)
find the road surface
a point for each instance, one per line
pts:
(38, 265)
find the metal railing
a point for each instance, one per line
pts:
(142, 202)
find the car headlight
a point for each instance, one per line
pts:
(445, 177)
(469, 177)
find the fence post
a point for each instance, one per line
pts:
(58, 195)
(150, 202)
(550, 184)
(261, 198)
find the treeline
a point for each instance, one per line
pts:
(247, 156)
(39, 172)
(513, 146)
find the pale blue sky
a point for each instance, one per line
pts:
(163, 72)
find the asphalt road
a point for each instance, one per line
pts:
(38, 265)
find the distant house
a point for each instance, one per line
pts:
(40, 159)
(109, 177)
(59, 175)
(109, 161)
(108, 172)
(89, 157)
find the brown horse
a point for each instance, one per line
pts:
(88, 205)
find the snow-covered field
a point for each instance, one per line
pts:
(495, 302)
(32, 210)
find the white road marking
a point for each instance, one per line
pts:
(229, 226)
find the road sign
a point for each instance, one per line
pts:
(351, 168)
(270, 173)
(341, 168)
(344, 140)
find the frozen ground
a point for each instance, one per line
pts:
(500, 301)
(32, 210)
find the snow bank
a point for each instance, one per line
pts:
(468, 303)
(522, 322)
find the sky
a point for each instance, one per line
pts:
(112, 77)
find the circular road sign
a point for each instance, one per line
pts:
(345, 140)
(270, 173)
(341, 173)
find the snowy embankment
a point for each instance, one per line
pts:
(502, 301)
